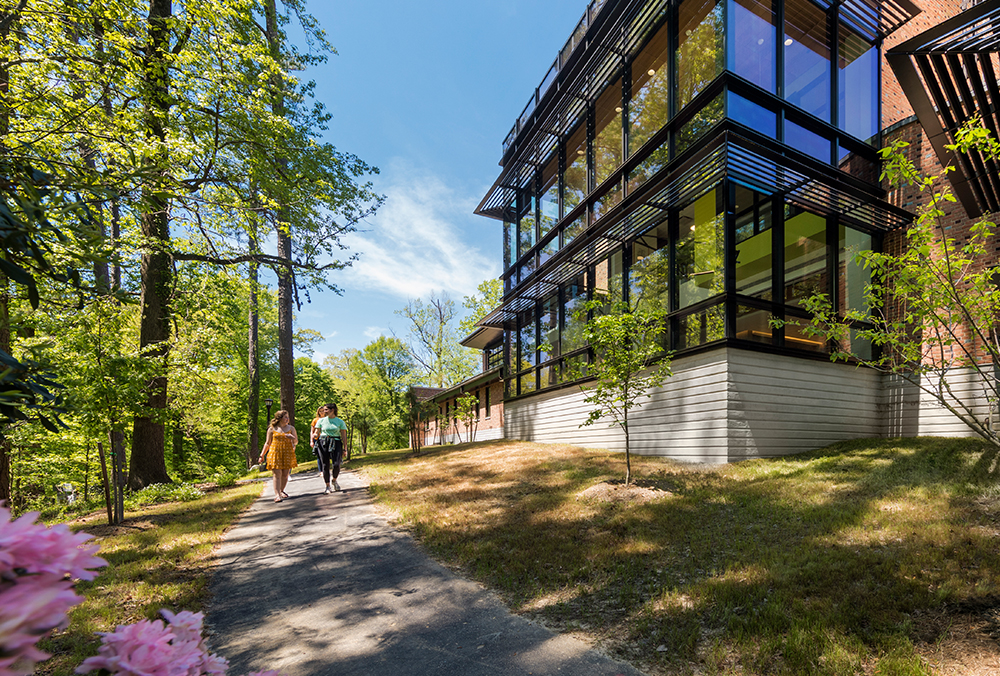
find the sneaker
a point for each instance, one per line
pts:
(336, 486)
(328, 490)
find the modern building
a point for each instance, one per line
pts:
(718, 158)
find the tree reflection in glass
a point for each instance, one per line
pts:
(700, 256)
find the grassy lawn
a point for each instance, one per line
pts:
(160, 557)
(868, 557)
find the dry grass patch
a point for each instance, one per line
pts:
(826, 563)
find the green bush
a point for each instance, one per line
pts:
(151, 495)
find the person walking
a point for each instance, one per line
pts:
(280, 451)
(331, 446)
(314, 435)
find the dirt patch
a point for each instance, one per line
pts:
(636, 493)
(960, 640)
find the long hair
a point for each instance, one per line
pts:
(331, 407)
(277, 418)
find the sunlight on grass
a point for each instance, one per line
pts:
(831, 562)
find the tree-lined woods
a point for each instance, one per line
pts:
(179, 166)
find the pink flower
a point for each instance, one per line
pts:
(27, 547)
(29, 610)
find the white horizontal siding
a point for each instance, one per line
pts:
(909, 411)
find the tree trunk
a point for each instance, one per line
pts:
(107, 484)
(148, 464)
(253, 367)
(286, 295)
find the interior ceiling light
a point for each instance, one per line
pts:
(788, 42)
(652, 71)
(618, 109)
(579, 152)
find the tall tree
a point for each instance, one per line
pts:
(487, 297)
(434, 341)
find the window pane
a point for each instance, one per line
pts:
(649, 166)
(526, 225)
(806, 141)
(807, 58)
(805, 255)
(756, 117)
(753, 243)
(649, 108)
(856, 164)
(549, 200)
(753, 324)
(548, 375)
(699, 250)
(609, 278)
(575, 296)
(608, 142)
(858, 105)
(607, 201)
(697, 126)
(526, 340)
(527, 383)
(549, 324)
(700, 55)
(752, 52)
(701, 327)
(575, 178)
(649, 272)
(852, 276)
(796, 336)
(573, 230)
(508, 249)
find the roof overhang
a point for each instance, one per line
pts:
(482, 337)
(949, 74)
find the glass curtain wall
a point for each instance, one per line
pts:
(752, 27)
(857, 84)
(700, 249)
(649, 106)
(700, 53)
(609, 145)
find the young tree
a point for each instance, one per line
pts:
(465, 412)
(624, 341)
(930, 312)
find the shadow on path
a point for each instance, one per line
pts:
(320, 584)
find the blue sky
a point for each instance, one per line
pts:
(426, 92)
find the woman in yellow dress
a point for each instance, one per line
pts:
(281, 441)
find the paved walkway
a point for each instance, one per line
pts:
(320, 584)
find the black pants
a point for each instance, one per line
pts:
(330, 451)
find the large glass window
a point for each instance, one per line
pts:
(753, 235)
(509, 230)
(527, 344)
(700, 259)
(852, 277)
(700, 53)
(807, 57)
(549, 324)
(526, 224)
(574, 298)
(575, 178)
(548, 201)
(608, 141)
(649, 271)
(805, 255)
(753, 27)
(609, 278)
(649, 107)
(810, 143)
(857, 73)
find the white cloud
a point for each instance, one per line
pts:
(421, 240)
(373, 332)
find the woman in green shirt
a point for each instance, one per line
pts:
(330, 446)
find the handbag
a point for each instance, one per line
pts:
(263, 463)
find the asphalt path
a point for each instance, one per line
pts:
(321, 584)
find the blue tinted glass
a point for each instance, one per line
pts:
(807, 58)
(857, 105)
(752, 115)
(751, 53)
(807, 142)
